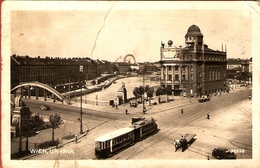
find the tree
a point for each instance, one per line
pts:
(29, 126)
(160, 91)
(141, 90)
(168, 90)
(149, 92)
(136, 92)
(55, 121)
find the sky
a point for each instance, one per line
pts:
(109, 30)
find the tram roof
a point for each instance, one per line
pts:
(114, 134)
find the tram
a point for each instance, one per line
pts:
(110, 143)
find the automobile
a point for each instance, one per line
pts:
(223, 153)
(44, 107)
(133, 104)
(204, 98)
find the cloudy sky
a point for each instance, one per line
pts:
(108, 30)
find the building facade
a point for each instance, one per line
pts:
(195, 69)
(54, 71)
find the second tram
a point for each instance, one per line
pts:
(114, 141)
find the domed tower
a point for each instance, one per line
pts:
(194, 36)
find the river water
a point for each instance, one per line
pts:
(130, 83)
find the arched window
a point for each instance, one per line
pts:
(183, 77)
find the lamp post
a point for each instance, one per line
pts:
(144, 89)
(69, 90)
(191, 91)
(81, 76)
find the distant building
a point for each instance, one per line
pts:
(194, 69)
(123, 67)
(250, 67)
(234, 64)
(238, 64)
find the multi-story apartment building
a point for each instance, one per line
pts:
(54, 71)
(194, 69)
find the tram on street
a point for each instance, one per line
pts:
(112, 142)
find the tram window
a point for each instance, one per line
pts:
(98, 145)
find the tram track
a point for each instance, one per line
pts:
(178, 119)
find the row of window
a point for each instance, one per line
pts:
(176, 68)
(117, 140)
(176, 77)
(214, 74)
(148, 127)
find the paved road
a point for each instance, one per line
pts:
(229, 126)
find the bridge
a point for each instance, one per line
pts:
(29, 86)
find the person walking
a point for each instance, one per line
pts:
(126, 111)
(181, 110)
(208, 117)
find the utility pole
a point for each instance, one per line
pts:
(69, 90)
(81, 78)
(144, 89)
(190, 91)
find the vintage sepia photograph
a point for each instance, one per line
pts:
(133, 84)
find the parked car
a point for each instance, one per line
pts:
(44, 107)
(204, 98)
(223, 153)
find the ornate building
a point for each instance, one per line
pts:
(194, 69)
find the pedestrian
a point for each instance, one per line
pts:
(208, 117)
(181, 110)
(126, 111)
(76, 138)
